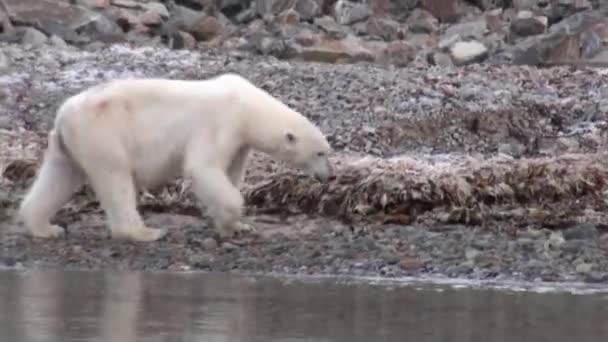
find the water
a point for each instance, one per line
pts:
(96, 306)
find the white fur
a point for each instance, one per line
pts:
(132, 133)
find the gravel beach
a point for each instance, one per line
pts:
(480, 172)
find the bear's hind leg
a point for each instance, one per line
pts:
(53, 186)
(115, 190)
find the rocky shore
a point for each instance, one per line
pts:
(484, 169)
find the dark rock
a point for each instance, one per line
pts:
(207, 28)
(524, 27)
(596, 277)
(583, 231)
(445, 10)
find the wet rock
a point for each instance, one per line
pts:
(411, 264)
(463, 53)
(422, 21)
(308, 9)
(596, 277)
(347, 13)
(31, 36)
(583, 231)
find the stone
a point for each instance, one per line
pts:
(525, 27)
(179, 40)
(463, 53)
(329, 26)
(155, 14)
(494, 20)
(150, 19)
(470, 30)
(33, 37)
(581, 231)
(347, 50)
(4, 62)
(387, 29)
(422, 21)
(57, 42)
(207, 28)
(488, 5)
(444, 10)
(63, 19)
(523, 5)
(272, 7)
(347, 13)
(126, 3)
(411, 264)
(440, 59)
(289, 17)
(308, 9)
(580, 36)
(399, 53)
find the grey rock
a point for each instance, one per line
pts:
(386, 29)
(583, 231)
(272, 7)
(308, 9)
(463, 53)
(347, 12)
(329, 25)
(421, 21)
(33, 37)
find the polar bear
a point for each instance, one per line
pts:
(126, 134)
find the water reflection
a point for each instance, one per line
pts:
(39, 306)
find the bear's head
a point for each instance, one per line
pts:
(306, 148)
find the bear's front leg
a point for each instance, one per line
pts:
(224, 202)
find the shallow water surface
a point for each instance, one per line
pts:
(112, 306)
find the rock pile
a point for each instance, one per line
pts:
(441, 32)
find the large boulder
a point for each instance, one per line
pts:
(60, 18)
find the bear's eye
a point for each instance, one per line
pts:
(290, 137)
(321, 154)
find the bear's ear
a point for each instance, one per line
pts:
(290, 137)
